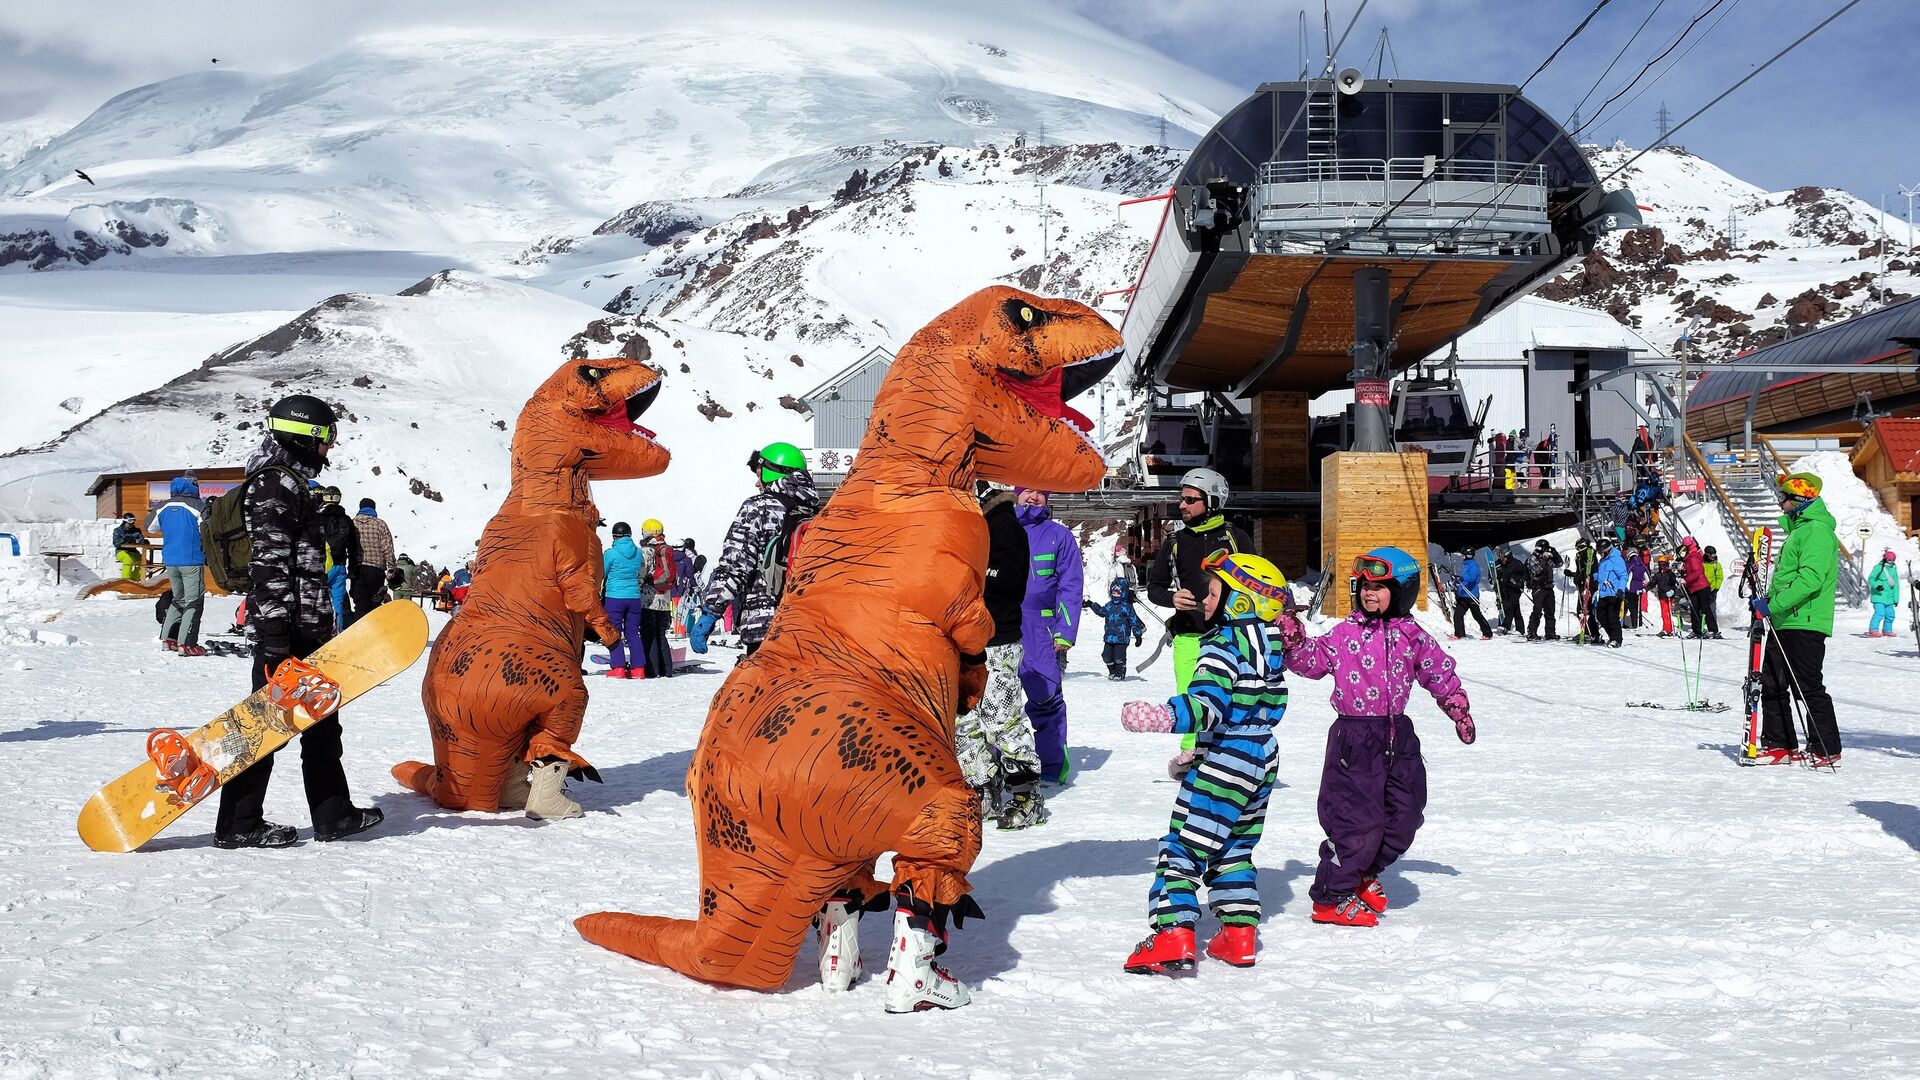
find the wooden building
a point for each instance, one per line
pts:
(1887, 458)
(137, 492)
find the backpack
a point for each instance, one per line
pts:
(661, 579)
(224, 537)
(771, 568)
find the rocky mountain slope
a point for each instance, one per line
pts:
(1754, 266)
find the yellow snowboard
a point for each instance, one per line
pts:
(134, 809)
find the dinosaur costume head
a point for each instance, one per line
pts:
(581, 425)
(993, 374)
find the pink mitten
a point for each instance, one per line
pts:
(1178, 764)
(1146, 716)
(1455, 706)
(1291, 632)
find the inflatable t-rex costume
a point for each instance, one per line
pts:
(834, 742)
(503, 687)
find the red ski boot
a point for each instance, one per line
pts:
(1774, 755)
(1167, 952)
(1349, 910)
(1373, 895)
(1235, 945)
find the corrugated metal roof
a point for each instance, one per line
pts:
(1858, 340)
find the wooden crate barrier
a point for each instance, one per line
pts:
(1369, 501)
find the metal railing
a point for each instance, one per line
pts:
(1458, 206)
(1380, 170)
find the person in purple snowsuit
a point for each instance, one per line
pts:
(1373, 785)
(1050, 621)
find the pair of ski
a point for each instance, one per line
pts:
(181, 770)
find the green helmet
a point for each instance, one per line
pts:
(775, 460)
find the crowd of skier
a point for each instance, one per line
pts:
(1234, 627)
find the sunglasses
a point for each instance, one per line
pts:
(1189, 500)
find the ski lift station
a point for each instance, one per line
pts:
(1329, 234)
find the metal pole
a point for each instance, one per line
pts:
(1686, 347)
(1372, 342)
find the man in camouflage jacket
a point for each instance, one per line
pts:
(290, 609)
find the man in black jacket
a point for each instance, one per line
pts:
(1176, 574)
(995, 740)
(1510, 580)
(290, 609)
(1540, 571)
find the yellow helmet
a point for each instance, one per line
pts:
(652, 527)
(1256, 589)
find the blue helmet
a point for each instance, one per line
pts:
(1389, 564)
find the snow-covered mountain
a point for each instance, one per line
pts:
(412, 141)
(1753, 265)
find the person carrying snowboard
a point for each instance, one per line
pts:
(291, 614)
(1237, 694)
(784, 495)
(994, 741)
(1883, 591)
(1799, 605)
(1122, 622)
(1373, 785)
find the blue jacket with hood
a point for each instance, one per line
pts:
(178, 522)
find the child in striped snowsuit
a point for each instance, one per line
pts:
(1238, 692)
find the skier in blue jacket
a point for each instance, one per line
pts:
(1610, 583)
(1123, 622)
(621, 592)
(1466, 598)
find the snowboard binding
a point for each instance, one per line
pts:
(184, 775)
(302, 689)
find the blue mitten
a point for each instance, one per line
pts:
(699, 628)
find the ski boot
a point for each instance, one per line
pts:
(1822, 761)
(837, 928)
(1348, 910)
(914, 982)
(1774, 755)
(1166, 952)
(1235, 945)
(1023, 810)
(1372, 894)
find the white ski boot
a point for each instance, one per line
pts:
(838, 931)
(914, 981)
(547, 798)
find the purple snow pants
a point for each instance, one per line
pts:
(1373, 790)
(624, 614)
(1046, 706)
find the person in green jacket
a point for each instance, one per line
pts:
(1883, 589)
(1716, 577)
(1799, 605)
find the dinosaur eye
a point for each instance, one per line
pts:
(1025, 317)
(593, 374)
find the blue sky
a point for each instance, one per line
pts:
(1842, 110)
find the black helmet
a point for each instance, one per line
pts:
(621, 528)
(1710, 553)
(1541, 544)
(330, 494)
(302, 422)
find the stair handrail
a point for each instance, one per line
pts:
(1745, 537)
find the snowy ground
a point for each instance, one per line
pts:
(1598, 891)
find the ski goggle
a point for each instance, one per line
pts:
(323, 432)
(757, 463)
(1372, 568)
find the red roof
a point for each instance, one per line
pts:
(1901, 440)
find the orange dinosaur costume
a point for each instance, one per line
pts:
(834, 742)
(503, 686)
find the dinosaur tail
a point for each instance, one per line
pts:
(415, 776)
